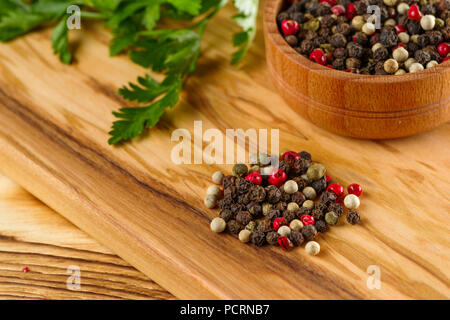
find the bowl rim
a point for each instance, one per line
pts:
(271, 9)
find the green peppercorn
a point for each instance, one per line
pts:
(331, 218)
(266, 207)
(309, 193)
(240, 170)
(316, 171)
(251, 226)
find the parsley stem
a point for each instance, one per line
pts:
(92, 15)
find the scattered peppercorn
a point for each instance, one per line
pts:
(353, 217)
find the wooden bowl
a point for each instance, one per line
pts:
(361, 106)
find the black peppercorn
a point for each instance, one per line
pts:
(234, 227)
(291, 40)
(243, 217)
(413, 27)
(423, 40)
(285, 166)
(375, 38)
(298, 197)
(228, 181)
(309, 232)
(360, 7)
(273, 194)
(379, 68)
(339, 64)
(328, 197)
(355, 50)
(388, 37)
(340, 53)
(317, 213)
(305, 155)
(422, 57)
(299, 17)
(321, 226)
(327, 21)
(226, 215)
(225, 203)
(257, 193)
(343, 28)
(353, 217)
(306, 47)
(258, 238)
(361, 38)
(381, 54)
(243, 185)
(338, 40)
(412, 48)
(319, 185)
(300, 166)
(336, 208)
(446, 33)
(435, 37)
(264, 226)
(230, 192)
(289, 215)
(351, 63)
(282, 16)
(272, 237)
(272, 214)
(280, 206)
(296, 238)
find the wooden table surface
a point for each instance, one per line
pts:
(34, 236)
(54, 121)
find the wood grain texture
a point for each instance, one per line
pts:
(54, 121)
(361, 106)
(34, 236)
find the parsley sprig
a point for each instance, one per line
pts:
(134, 26)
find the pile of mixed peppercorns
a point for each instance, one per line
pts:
(269, 205)
(342, 35)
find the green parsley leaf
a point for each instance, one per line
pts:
(135, 120)
(61, 42)
(246, 19)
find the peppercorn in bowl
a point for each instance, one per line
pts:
(355, 104)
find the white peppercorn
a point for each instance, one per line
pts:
(292, 206)
(403, 37)
(400, 54)
(358, 22)
(409, 62)
(390, 65)
(309, 193)
(402, 8)
(368, 28)
(400, 72)
(284, 231)
(296, 225)
(308, 204)
(210, 201)
(290, 187)
(244, 235)
(213, 191)
(428, 22)
(390, 22)
(376, 46)
(312, 248)
(218, 225)
(351, 201)
(432, 64)
(390, 3)
(217, 177)
(415, 67)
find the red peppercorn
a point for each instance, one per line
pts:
(443, 49)
(307, 219)
(327, 178)
(445, 59)
(254, 177)
(351, 11)
(25, 270)
(338, 10)
(392, 12)
(330, 2)
(355, 189)
(318, 56)
(348, 70)
(278, 222)
(290, 27)
(414, 13)
(330, 66)
(284, 242)
(400, 28)
(338, 190)
(277, 177)
(290, 157)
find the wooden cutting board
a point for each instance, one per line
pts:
(54, 121)
(25, 241)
